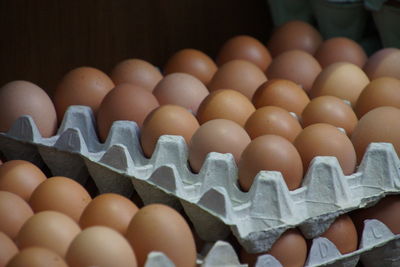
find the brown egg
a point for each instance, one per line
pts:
(341, 79)
(270, 153)
(290, 250)
(340, 49)
(295, 65)
(193, 62)
(81, 86)
(247, 48)
(20, 177)
(125, 102)
(331, 110)
(100, 246)
(381, 124)
(37, 257)
(7, 249)
(60, 194)
(281, 93)
(343, 234)
(157, 227)
(14, 212)
(219, 135)
(294, 35)
(225, 104)
(19, 98)
(383, 63)
(111, 210)
(383, 91)
(138, 72)
(167, 119)
(239, 75)
(322, 139)
(49, 229)
(180, 89)
(272, 120)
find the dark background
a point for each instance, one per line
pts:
(42, 40)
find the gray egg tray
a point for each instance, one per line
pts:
(211, 199)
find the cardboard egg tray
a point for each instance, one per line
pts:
(211, 199)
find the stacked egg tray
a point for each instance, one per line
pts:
(212, 199)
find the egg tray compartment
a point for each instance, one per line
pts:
(211, 199)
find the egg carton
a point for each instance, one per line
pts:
(211, 199)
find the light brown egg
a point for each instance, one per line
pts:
(270, 153)
(37, 257)
(193, 62)
(272, 120)
(60, 194)
(383, 91)
(281, 93)
(14, 212)
(125, 102)
(295, 65)
(219, 135)
(81, 86)
(20, 177)
(294, 35)
(341, 79)
(322, 139)
(343, 234)
(181, 89)
(7, 249)
(167, 119)
(331, 110)
(19, 98)
(157, 227)
(340, 49)
(111, 210)
(247, 48)
(225, 104)
(100, 246)
(239, 75)
(381, 124)
(136, 71)
(383, 63)
(49, 229)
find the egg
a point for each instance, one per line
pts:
(383, 91)
(239, 75)
(381, 124)
(193, 62)
(247, 48)
(322, 139)
(60, 194)
(14, 212)
(219, 135)
(7, 249)
(20, 177)
(272, 120)
(225, 104)
(125, 102)
(294, 35)
(341, 79)
(331, 110)
(340, 49)
(136, 71)
(81, 86)
(19, 98)
(180, 89)
(157, 227)
(49, 229)
(167, 119)
(37, 257)
(295, 65)
(384, 63)
(281, 93)
(100, 246)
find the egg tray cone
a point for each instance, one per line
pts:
(211, 199)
